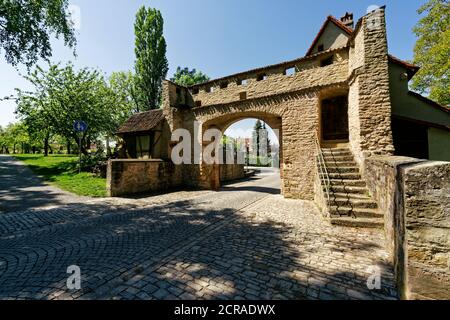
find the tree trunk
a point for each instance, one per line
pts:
(14, 149)
(46, 146)
(68, 146)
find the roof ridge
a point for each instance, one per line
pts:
(329, 19)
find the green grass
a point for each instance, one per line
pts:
(62, 172)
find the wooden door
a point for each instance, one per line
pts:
(335, 119)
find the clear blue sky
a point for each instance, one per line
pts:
(218, 37)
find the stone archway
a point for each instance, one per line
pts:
(295, 115)
(222, 123)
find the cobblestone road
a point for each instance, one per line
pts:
(244, 242)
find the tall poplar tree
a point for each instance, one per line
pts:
(151, 63)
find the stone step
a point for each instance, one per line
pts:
(335, 150)
(333, 163)
(334, 169)
(353, 203)
(329, 158)
(358, 223)
(355, 196)
(336, 153)
(344, 176)
(358, 212)
(349, 189)
(347, 182)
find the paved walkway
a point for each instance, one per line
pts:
(244, 242)
(21, 190)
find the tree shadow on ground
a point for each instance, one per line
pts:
(20, 189)
(185, 249)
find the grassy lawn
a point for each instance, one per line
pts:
(61, 171)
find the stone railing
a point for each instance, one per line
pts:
(414, 195)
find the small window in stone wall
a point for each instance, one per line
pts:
(320, 48)
(243, 95)
(198, 103)
(326, 62)
(208, 89)
(261, 77)
(290, 71)
(223, 85)
(242, 82)
(195, 90)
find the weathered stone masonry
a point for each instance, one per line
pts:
(291, 103)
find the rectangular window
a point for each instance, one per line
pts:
(208, 89)
(195, 91)
(223, 85)
(320, 48)
(261, 77)
(326, 62)
(243, 95)
(290, 71)
(242, 82)
(143, 147)
(198, 103)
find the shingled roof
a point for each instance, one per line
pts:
(142, 122)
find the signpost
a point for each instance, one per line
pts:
(80, 127)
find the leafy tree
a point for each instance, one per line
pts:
(26, 27)
(122, 85)
(186, 77)
(151, 65)
(432, 51)
(14, 137)
(64, 95)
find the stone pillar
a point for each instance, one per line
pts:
(369, 98)
(300, 125)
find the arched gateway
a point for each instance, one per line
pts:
(332, 109)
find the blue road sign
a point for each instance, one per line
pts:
(80, 126)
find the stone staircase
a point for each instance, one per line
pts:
(350, 203)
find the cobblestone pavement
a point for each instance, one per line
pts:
(244, 242)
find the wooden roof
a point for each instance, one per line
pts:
(142, 122)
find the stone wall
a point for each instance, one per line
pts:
(128, 177)
(381, 175)
(370, 106)
(426, 208)
(276, 82)
(414, 196)
(229, 172)
(299, 114)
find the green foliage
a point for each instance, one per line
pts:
(62, 172)
(26, 27)
(151, 65)
(122, 85)
(432, 51)
(64, 95)
(14, 138)
(186, 77)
